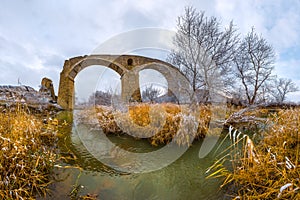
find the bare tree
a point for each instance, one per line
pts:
(151, 93)
(281, 87)
(101, 98)
(254, 65)
(264, 93)
(204, 52)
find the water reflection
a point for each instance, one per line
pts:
(183, 179)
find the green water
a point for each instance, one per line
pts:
(182, 179)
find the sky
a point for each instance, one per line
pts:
(36, 37)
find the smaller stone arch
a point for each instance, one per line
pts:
(177, 83)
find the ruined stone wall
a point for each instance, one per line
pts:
(47, 87)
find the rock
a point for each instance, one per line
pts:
(29, 97)
(47, 87)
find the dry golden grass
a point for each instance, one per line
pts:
(269, 169)
(140, 114)
(160, 123)
(25, 160)
(174, 122)
(106, 117)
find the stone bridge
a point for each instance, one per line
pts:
(128, 67)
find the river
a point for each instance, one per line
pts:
(83, 174)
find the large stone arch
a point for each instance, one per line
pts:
(128, 67)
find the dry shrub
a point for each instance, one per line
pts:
(170, 127)
(259, 113)
(105, 115)
(140, 114)
(270, 169)
(160, 123)
(205, 115)
(178, 122)
(25, 161)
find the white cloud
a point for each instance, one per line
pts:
(294, 96)
(37, 36)
(285, 32)
(288, 68)
(276, 20)
(244, 14)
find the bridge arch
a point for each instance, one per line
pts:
(177, 83)
(156, 79)
(127, 66)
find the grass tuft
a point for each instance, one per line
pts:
(26, 161)
(268, 169)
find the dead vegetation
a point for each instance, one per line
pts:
(160, 123)
(268, 169)
(27, 154)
